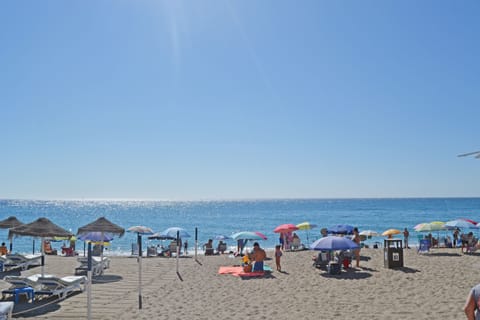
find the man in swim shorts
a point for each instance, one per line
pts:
(258, 256)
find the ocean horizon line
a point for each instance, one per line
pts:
(259, 199)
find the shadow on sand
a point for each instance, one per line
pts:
(108, 278)
(267, 275)
(38, 307)
(357, 275)
(14, 272)
(445, 254)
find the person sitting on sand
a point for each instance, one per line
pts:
(258, 255)
(221, 247)
(208, 247)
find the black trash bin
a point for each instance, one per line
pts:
(393, 253)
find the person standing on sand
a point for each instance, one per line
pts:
(455, 237)
(278, 254)
(405, 238)
(356, 239)
(258, 255)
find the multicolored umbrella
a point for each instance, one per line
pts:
(249, 235)
(460, 223)
(431, 226)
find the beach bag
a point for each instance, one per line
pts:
(247, 268)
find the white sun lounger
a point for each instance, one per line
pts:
(24, 261)
(6, 310)
(60, 286)
(17, 282)
(98, 265)
(7, 265)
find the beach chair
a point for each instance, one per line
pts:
(322, 260)
(47, 248)
(424, 246)
(18, 283)
(173, 248)
(24, 261)
(6, 310)
(98, 265)
(296, 244)
(471, 245)
(345, 258)
(7, 265)
(61, 287)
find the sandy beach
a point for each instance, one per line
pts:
(429, 286)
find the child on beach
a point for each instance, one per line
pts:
(278, 254)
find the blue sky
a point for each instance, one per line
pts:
(238, 99)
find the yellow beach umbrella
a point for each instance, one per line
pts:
(306, 226)
(391, 232)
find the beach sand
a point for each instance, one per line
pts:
(429, 286)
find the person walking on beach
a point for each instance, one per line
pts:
(405, 238)
(278, 254)
(471, 305)
(356, 239)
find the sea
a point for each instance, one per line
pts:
(217, 217)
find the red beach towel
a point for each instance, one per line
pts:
(238, 272)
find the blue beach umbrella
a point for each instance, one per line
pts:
(334, 243)
(341, 229)
(222, 237)
(158, 236)
(172, 232)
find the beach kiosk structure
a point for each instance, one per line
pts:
(393, 253)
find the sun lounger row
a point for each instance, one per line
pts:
(98, 265)
(47, 285)
(19, 261)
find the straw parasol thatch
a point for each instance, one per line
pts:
(102, 225)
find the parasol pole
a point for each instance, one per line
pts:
(196, 242)
(178, 245)
(101, 253)
(43, 258)
(89, 280)
(139, 241)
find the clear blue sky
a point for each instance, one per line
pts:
(238, 99)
